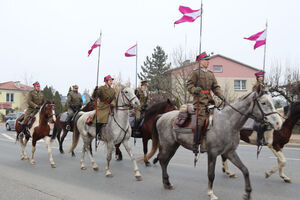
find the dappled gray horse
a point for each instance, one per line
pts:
(116, 131)
(223, 137)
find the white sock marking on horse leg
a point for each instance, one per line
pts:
(82, 158)
(282, 161)
(211, 194)
(128, 149)
(47, 140)
(32, 155)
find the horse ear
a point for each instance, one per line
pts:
(169, 101)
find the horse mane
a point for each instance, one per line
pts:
(155, 107)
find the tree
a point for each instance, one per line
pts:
(57, 101)
(156, 71)
(47, 92)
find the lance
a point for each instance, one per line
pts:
(197, 134)
(265, 47)
(136, 55)
(96, 145)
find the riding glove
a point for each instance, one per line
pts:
(197, 90)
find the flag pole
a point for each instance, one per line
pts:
(136, 58)
(265, 48)
(96, 146)
(197, 135)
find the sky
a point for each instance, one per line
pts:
(48, 41)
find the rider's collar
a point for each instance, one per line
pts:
(204, 69)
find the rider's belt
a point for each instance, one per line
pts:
(104, 101)
(205, 91)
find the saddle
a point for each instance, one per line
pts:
(29, 122)
(186, 120)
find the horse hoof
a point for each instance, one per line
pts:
(169, 186)
(138, 178)
(232, 176)
(109, 175)
(267, 175)
(73, 154)
(148, 164)
(62, 151)
(118, 158)
(95, 168)
(26, 159)
(32, 163)
(246, 197)
(287, 180)
(83, 168)
(53, 165)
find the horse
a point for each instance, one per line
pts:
(116, 131)
(61, 125)
(276, 141)
(147, 127)
(221, 139)
(39, 129)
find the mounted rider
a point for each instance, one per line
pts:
(258, 127)
(106, 97)
(202, 93)
(35, 100)
(143, 95)
(74, 105)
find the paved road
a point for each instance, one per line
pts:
(19, 180)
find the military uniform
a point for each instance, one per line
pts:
(106, 96)
(34, 99)
(74, 102)
(144, 97)
(208, 83)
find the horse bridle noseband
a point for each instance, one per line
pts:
(126, 106)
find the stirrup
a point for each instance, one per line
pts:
(68, 127)
(202, 150)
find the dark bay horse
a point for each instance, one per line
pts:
(276, 140)
(147, 127)
(221, 139)
(40, 129)
(61, 126)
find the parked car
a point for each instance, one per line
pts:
(10, 122)
(9, 116)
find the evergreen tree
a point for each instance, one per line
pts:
(155, 71)
(47, 92)
(58, 105)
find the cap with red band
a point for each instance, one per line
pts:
(106, 78)
(202, 56)
(259, 74)
(36, 84)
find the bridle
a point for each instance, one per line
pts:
(52, 107)
(126, 106)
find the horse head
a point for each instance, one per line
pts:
(91, 105)
(47, 112)
(170, 105)
(263, 109)
(128, 97)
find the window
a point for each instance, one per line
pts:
(9, 97)
(239, 84)
(217, 68)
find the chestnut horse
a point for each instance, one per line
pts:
(147, 127)
(39, 129)
(276, 142)
(61, 126)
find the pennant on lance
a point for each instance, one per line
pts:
(189, 15)
(259, 37)
(95, 45)
(131, 51)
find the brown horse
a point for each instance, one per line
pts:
(61, 126)
(38, 129)
(276, 140)
(146, 129)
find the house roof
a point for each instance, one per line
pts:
(11, 85)
(214, 56)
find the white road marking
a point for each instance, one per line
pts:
(8, 137)
(297, 159)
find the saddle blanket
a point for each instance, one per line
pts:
(63, 117)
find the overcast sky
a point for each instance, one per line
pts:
(48, 40)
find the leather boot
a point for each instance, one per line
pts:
(98, 130)
(68, 121)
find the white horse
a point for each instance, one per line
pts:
(116, 131)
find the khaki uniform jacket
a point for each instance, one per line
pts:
(208, 82)
(105, 96)
(257, 84)
(144, 100)
(74, 101)
(34, 99)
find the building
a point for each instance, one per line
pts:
(13, 97)
(234, 77)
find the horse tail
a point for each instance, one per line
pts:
(155, 139)
(54, 132)
(75, 138)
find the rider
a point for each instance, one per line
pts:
(202, 93)
(74, 104)
(35, 100)
(107, 101)
(143, 95)
(259, 128)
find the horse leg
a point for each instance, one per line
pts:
(62, 140)
(87, 145)
(32, 162)
(164, 157)
(82, 158)
(118, 155)
(225, 168)
(58, 137)
(23, 142)
(48, 146)
(110, 147)
(138, 175)
(234, 158)
(281, 163)
(145, 148)
(211, 161)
